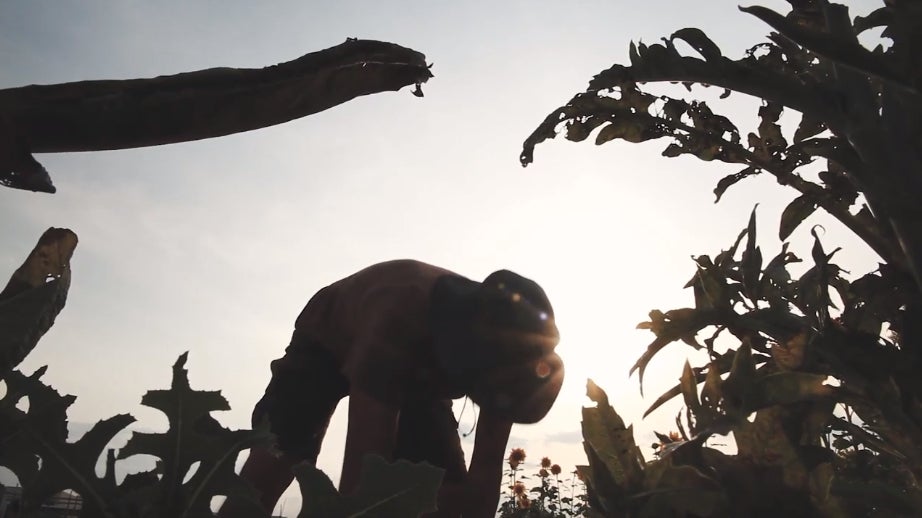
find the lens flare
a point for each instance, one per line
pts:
(542, 370)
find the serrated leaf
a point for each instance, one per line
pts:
(193, 436)
(34, 295)
(795, 213)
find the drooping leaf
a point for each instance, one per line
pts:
(729, 180)
(700, 42)
(784, 388)
(677, 324)
(795, 213)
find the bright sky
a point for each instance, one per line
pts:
(213, 247)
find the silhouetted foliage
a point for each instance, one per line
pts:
(828, 364)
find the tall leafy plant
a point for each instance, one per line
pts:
(784, 350)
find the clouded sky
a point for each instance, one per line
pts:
(213, 247)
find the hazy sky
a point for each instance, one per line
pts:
(213, 247)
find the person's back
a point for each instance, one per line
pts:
(375, 324)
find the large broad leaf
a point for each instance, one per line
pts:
(34, 296)
(385, 489)
(194, 437)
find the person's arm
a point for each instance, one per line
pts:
(372, 430)
(485, 474)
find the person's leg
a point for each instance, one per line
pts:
(428, 432)
(305, 388)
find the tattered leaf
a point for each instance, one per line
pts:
(700, 42)
(34, 295)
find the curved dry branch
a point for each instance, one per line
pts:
(119, 114)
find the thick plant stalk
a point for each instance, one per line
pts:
(120, 114)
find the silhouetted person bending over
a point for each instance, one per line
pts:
(402, 339)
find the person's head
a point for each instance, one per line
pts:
(495, 340)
